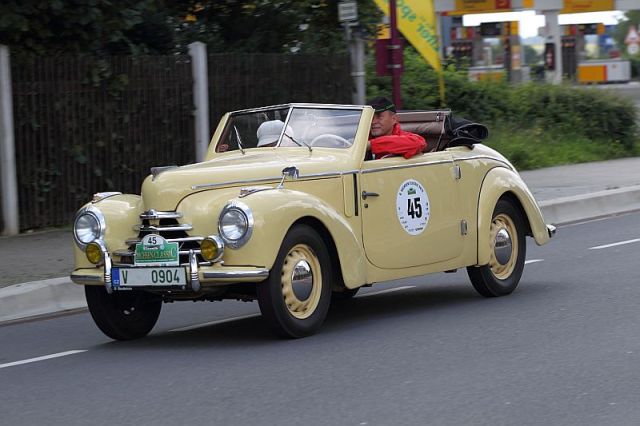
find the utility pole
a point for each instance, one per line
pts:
(8, 177)
(348, 17)
(396, 55)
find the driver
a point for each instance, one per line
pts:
(386, 137)
(269, 132)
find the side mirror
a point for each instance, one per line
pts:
(290, 172)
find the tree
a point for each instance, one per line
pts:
(103, 27)
(271, 26)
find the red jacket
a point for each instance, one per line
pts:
(398, 142)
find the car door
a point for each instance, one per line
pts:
(410, 214)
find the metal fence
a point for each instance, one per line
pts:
(85, 125)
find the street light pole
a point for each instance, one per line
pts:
(396, 52)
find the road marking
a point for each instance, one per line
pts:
(526, 262)
(41, 358)
(207, 324)
(389, 290)
(615, 244)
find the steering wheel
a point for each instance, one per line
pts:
(329, 140)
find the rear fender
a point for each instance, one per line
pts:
(501, 182)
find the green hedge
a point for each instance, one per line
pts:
(566, 123)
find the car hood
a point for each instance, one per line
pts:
(165, 190)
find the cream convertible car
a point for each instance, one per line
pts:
(304, 222)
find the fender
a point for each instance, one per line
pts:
(275, 211)
(121, 214)
(498, 182)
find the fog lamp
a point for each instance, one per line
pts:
(94, 252)
(212, 248)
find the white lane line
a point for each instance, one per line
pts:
(207, 324)
(41, 358)
(615, 244)
(526, 262)
(389, 290)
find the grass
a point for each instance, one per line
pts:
(535, 148)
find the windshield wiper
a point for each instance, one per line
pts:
(300, 143)
(239, 139)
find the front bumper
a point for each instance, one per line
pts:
(198, 276)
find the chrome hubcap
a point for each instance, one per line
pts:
(302, 280)
(503, 246)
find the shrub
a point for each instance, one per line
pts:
(567, 123)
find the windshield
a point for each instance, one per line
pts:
(307, 127)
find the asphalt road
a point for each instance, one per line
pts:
(563, 349)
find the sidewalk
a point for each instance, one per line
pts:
(565, 194)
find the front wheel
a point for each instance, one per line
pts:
(123, 315)
(508, 251)
(294, 300)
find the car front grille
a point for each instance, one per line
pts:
(165, 224)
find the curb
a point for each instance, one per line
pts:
(38, 298)
(589, 206)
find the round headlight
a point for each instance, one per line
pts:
(88, 226)
(235, 224)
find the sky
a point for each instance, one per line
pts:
(529, 21)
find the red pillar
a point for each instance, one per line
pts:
(396, 55)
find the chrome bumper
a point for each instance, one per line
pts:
(551, 230)
(197, 275)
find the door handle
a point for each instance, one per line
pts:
(366, 194)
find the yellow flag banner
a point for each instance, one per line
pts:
(416, 20)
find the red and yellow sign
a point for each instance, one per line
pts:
(579, 6)
(481, 6)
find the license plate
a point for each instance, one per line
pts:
(152, 277)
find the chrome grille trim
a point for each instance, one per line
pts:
(126, 253)
(161, 228)
(153, 214)
(132, 241)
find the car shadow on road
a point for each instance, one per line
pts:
(421, 303)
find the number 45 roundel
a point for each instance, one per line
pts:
(412, 207)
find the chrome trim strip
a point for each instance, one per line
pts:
(406, 166)
(99, 196)
(132, 241)
(235, 182)
(271, 179)
(428, 163)
(299, 105)
(153, 228)
(79, 279)
(154, 214)
(236, 274)
(125, 252)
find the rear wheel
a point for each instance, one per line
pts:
(123, 315)
(294, 300)
(508, 251)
